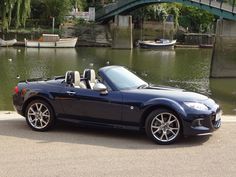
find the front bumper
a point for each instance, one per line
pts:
(203, 124)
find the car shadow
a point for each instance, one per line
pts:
(112, 138)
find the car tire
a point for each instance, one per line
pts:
(40, 115)
(163, 126)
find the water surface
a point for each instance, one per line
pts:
(185, 68)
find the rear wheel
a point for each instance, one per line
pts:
(39, 115)
(163, 126)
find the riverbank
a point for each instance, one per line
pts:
(7, 115)
(97, 35)
(91, 44)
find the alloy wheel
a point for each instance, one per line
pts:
(38, 115)
(165, 127)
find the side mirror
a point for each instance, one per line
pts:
(99, 87)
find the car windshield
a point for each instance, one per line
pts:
(123, 79)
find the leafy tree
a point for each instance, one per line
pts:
(46, 9)
(150, 13)
(80, 4)
(195, 19)
(57, 9)
(175, 11)
(14, 10)
(99, 3)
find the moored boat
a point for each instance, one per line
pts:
(206, 45)
(157, 44)
(52, 41)
(7, 43)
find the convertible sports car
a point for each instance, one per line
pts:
(116, 98)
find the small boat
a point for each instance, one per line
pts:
(7, 43)
(206, 45)
(157, 44)
(52, 41)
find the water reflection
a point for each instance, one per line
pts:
(197, 85)
(185, 68)
(224, 91)
(45, 62)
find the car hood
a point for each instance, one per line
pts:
(176, 94)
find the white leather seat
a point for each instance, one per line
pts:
(90, 75)
(77, 82)
(73, 78)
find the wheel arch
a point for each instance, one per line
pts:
(37, 97)
(155, 104)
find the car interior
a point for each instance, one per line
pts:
(85, 81)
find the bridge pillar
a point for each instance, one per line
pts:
(223, 62)
(122, 32)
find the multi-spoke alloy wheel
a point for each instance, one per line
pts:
(39, 115)
(163, 126)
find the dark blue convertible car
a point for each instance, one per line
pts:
(116, 98)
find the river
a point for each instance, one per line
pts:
(184, 68)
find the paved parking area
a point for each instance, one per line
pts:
(76, 151)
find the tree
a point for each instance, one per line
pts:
(151, 12)
(80, 4)
(14, 10)
(57, 9)
(44, 9)
(195, 18)
(175, 11)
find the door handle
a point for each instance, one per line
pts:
(70, 93)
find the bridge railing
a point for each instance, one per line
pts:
(228, 5)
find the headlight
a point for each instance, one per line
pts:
(197, 106)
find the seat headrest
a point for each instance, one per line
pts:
(72, 78)
(90, 75)
(77, 78)
(69, 77)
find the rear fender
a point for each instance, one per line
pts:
(40, 93)
(37, 94)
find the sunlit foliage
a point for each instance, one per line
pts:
(14, 12)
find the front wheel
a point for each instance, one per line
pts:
(39, 115)
(163, 126)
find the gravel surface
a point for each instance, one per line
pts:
(74, 151)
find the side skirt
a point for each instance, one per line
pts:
(99, 124)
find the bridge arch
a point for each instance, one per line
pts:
(220, 9)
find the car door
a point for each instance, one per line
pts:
(90, 105)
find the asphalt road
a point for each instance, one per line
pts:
(76, 151)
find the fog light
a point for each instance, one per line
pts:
(197, 123)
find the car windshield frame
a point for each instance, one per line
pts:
(120, 78)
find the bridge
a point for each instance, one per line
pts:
(223, 61)
(220, 8)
